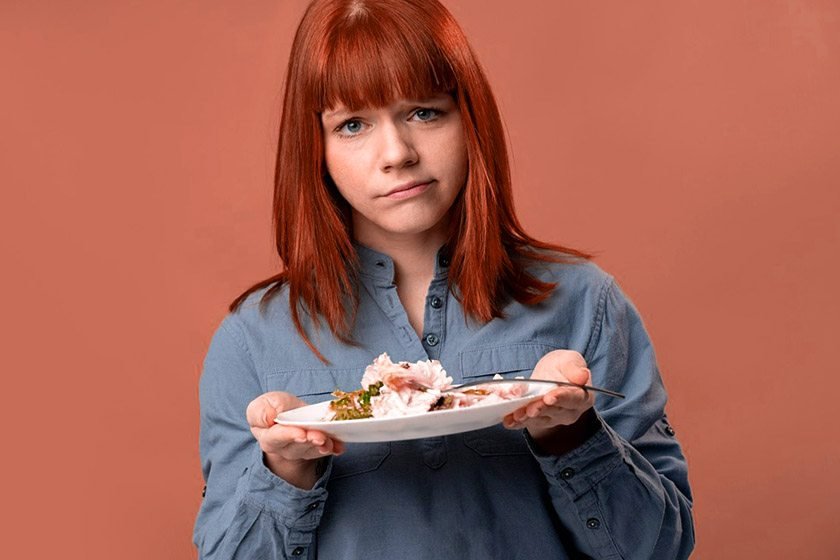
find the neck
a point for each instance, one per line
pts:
(414, 257)
(414, 254)
(414, 267)
(414, 261)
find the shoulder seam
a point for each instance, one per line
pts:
(243, 346)
(598, 323)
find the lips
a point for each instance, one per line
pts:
(409, 189)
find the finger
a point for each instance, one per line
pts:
(296, 452)
(264, 409)
(540, 422)
(519, 414)
(552, 397)
(567, 397)
(325, 443)
(559, 416)
(327, 448)
(331, 447)
(316, 437)
(280, 435)
(533, 409)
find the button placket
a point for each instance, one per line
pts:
(434, 320)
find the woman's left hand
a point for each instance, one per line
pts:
(562, 406)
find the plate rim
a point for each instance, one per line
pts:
(542, 389)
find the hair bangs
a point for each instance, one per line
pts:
(371, 61)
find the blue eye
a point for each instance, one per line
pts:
(427, 114)
(349, 128)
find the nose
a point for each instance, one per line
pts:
(397, 148)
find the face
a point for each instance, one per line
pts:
(400, 167)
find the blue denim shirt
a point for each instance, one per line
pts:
(479, 495)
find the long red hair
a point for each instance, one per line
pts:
(366, 53)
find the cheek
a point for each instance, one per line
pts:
(456, 153)
(463, 164)
(333, 162)
(340, 170)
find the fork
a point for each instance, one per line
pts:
(548, 381)
(420, 387)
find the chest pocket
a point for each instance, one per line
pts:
(509, 361)
(316, 385)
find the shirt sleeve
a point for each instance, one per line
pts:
(624, 493)
(247, 511)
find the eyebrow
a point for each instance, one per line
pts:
(342, 113)
(327, 115)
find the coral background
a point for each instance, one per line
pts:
(694, 146)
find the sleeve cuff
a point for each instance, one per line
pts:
(297, 508)
(581, 469)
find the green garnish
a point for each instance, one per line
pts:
(354, 405)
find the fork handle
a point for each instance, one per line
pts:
(548, 381)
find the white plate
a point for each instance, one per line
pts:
(427, 424)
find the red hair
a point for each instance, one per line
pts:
(366, 53)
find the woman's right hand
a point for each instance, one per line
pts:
(290, 452)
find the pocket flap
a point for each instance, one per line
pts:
(508, 360)
(315, 385)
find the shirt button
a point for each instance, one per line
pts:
(669, 430)
(380, 264)
(204, 491)
(436, 302)
(443, 261)
(566, 474)
(593, 523)
(297, 551)
(312, 507)
(432, 339)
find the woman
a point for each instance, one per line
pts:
(394, 221)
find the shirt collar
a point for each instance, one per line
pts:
(381, 267)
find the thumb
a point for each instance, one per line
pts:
(262, 410)
(577, 374)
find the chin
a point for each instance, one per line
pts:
(426, 223)
(407, 222)
(408, 229)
